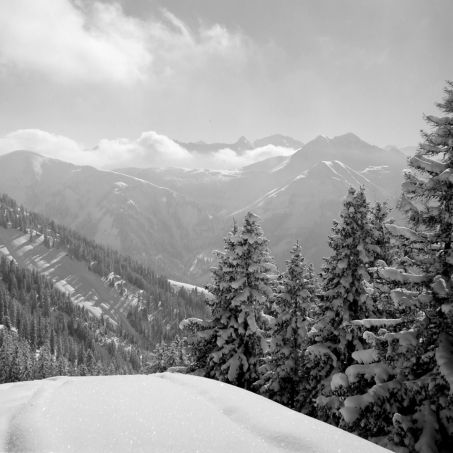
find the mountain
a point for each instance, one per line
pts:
(407, 150)
(347, 148)
(229, 191)
(201, 147)
(303, 208)
(278, 140)
(242, 145)
(152, 223)
(172, 218)
(296, 196)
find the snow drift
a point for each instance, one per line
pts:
(161, 413)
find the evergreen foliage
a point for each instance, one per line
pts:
(294, 299)
(160, 308)
(166, 356)
(230, 345)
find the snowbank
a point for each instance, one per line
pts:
(159, 413)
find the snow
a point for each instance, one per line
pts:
(188, 287)
(161, 412)
(379, 371)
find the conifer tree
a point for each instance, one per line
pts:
(345, 299)
(408, 407)
(294, 297)
(231, 344)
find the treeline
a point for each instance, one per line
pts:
(160, 308)
(369, 346)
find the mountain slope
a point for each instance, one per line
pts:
(303, 208)
(69, 275)
(347, 148)
(138, 218)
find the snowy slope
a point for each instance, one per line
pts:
(84, 287)
(144, 220)
(303, 208)
(159, 413)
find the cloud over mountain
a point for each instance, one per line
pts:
(149, 150)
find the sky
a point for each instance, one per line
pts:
(112, 75)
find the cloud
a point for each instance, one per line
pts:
(149, 150)
(80, 40)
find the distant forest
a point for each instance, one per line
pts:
(44, 333)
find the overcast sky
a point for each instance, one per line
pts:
(213, 70)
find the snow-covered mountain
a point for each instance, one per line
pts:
(201, 147)
(242, 145)
(296, 196)
(134, 216)
(278, 140)
(174, 217)
(303, 208)
(162, 412)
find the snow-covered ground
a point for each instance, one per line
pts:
(159, 413)
(187, 286)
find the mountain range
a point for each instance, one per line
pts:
(172, 218)
(242, 145)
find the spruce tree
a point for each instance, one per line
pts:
(294, 297)
(231, 344)
(345, 298)
(409, 406)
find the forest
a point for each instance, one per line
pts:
(44, 333)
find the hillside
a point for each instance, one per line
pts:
(163, 413)
(68, 275)
(155, 224)
(111, 286)
(304, 207)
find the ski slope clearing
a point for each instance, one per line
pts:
(160, 413)
(84, 287)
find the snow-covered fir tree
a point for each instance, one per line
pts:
(410, 409)
(335, 340)
(166, 356)
(293, 299)
(230, 345)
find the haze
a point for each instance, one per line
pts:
(125, 78)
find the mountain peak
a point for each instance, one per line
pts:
(242, 139)
(278, 140)
(349, 136)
